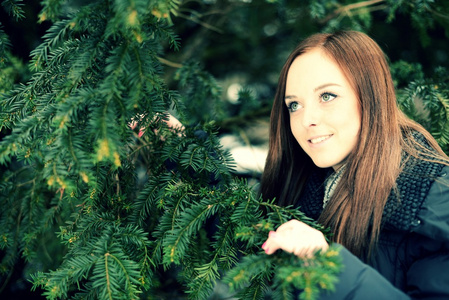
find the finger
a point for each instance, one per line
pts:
(173, 122)
(271, 245)
(305, 252)
(288, 225)
(278, 241)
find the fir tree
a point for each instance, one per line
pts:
(114, 213)
(74, 163)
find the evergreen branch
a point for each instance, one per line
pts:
(248, 268)
(255, 290)
(345, 9)
(108, 282)
(5, 47)
(203, 283)
(207, 274)
(157, 250)
(51, 10)
(146, 199)
(170, 63)
(176, 239)
(438, 14)
(198, 21)
(14, 8)
(54, 36)
(308, 276)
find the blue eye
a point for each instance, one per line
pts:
(293, 106)
(326, 97)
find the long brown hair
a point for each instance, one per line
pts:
(372, 167)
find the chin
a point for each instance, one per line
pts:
(325, 164)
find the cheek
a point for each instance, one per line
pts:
(298, 131)
(353, 127)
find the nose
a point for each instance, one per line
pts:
(311, 116)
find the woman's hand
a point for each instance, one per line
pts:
(171, 122)
(295, 237)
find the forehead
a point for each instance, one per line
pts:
(312, 69)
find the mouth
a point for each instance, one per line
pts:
(319, 139)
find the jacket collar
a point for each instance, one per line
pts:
(403, 204)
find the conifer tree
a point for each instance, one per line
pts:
(94, 178)
(126, 206)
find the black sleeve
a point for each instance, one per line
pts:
(360, 281)
(428, 276)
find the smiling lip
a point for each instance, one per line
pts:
(320, 139)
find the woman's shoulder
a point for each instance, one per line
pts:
(419, 185)
(433, 216)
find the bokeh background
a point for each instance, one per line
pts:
(242, 45)
(238, 47)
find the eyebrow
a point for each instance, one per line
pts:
(320, 87)
(323, 86)
(289, 97)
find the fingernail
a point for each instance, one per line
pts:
(263, 245)
(266, 250)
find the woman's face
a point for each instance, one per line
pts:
(325, 115)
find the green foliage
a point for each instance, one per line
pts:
(419, 11)
(427, 102)
(358, 15)
(72, 163)
(98, 211)
(4, 47)
(202, 93)
(288, 272)
(12, 70)
(14, 8)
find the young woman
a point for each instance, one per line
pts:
(344, 154)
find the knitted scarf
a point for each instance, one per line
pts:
(413, 185)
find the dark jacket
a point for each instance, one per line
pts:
(412, 257)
